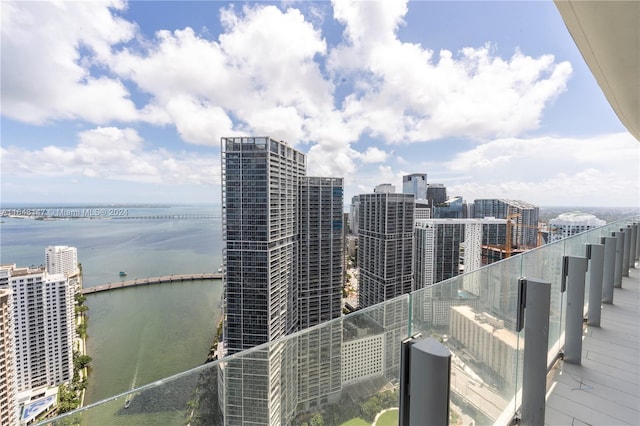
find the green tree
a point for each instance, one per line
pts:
(370, 408)
(388, 399)
(82, 361)
(82, 330)
(317, 420)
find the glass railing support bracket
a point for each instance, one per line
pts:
(574, 277)
(633, 251)
(609, 267)
(626, 254)
(595, 254)
(425, 378)
(617, 279)
(534, 298)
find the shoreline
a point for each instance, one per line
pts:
(213, 350)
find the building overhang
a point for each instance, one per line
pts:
(607, 34)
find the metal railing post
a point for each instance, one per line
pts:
(638, 242)
(617, 276)
(634, 247)
(573, 280)
(627, 251)
(533, 315)
(425, 378)
(595, 254)
(608, 272)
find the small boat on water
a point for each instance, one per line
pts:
(123, 274)
(127, 402)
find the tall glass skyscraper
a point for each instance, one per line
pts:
(385, 260)
(320, 280)
(416, 184)
(283, 271)
(436, 194)
(321, 234)
(260, 181)
(385, 247)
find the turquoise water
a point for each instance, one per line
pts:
(141, 334)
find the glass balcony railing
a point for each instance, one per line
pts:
(349, 368)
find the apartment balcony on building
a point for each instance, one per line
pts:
(591, 373)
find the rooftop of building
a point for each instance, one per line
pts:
(13, 271)
(454, 221)
(514, 203)
(577, 216)
(490, 324)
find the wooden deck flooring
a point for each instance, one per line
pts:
(605, 389)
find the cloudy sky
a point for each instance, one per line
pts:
(108, 101)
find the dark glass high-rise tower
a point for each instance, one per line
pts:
(260, 181)
(320, 269)
(283, 271)
(385, 260)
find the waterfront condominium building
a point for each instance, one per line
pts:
(416, 184)
(320, 281)
(44, 325)
(260, 184)
(64, 260)
(523, 216)
(571, 223)
(321, 254)
(61, 260)
(283, 259)
(8, 390)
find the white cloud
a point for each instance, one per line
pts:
(263, 75)
(604, 169)
(405, 94)
(199, 122)
(271, 72)
(115, 154)
(44, 76)
(374, 155)
(260, 77)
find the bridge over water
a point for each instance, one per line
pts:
(153, 280)
(172, 216)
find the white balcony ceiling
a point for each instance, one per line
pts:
(608, 36)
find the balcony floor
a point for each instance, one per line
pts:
(605, 389)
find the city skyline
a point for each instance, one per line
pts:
(478, 95)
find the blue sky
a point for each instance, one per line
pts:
(108, 101)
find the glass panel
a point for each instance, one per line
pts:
(348, 368)
(545, 264)
(474, 316)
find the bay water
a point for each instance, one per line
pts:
(141, 334)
